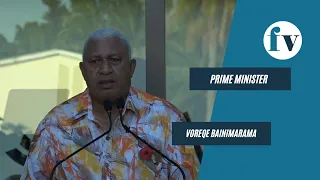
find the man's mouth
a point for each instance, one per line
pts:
(106, 81)
(107, 84)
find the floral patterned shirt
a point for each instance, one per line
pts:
(72, 124)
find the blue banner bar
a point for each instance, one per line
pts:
(221, 133)
(240, 79)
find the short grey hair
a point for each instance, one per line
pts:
(107, 32)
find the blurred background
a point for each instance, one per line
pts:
(41, 44)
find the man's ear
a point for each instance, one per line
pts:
(133, 63)
(81, 68)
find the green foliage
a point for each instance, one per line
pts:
(6, 49)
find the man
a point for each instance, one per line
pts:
(107, 68)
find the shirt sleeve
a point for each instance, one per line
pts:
(40, 160)
(185, 156)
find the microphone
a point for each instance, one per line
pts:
(108, 107)
(120, 106)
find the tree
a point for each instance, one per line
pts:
(53, 20)
(6, 49)
(201, 29)
(126, 16)
(30, 38)
(36, 36)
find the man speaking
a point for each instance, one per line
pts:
(129, 130)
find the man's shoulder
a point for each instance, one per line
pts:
(157, 104)
(67, 112)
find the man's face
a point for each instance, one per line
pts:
(107, 69)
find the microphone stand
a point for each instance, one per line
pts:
(120, 108)
(108, 108)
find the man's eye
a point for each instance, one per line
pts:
(115, 59)
(94, 60)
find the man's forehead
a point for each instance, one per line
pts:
(110, 45)
(106, 41)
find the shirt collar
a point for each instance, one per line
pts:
(86, 101)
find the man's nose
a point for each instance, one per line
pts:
(105, 68)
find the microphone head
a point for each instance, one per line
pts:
(107, 105)
(120, 103)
